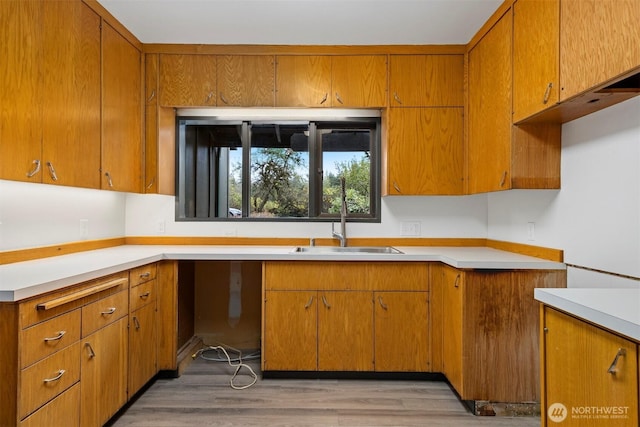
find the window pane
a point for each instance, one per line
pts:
(346, 152)
(279, 170)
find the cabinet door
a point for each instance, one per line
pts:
(187, 80)
(151, 124)
(345, 331)
(426, 80)
(598, 42)
(293, 347)
(142, 347)
(579, 360)
(303, 81)
(64, 410)
(489, 151)
(425, 151)
(104, 373)
(401, 332)
(71, 95)
(121, 113)
(359, 81)
(20, 91)
(452, 327)
(536, 30)
(246, 81)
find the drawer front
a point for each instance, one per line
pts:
(47, 306)
(315, 275)
(105, 311)
(44, 339)
(46, 379)
(64, 410)
(143, 295)
(399, 276)
(143, 274)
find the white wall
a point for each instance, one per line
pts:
(595, 217)
(34, 215)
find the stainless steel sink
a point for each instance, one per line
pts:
(347, 249)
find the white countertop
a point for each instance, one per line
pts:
(22, 280)
(615, 309)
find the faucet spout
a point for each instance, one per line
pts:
(342, 236)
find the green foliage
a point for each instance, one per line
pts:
(357, 173)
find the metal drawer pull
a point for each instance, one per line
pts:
(547, 93)
(110, 310)
(92, 353)
(153, 95)
(109, 180)
(397, 98)
(136, 322)
(52, 171)
(338, 98)
(309, 303)
(504, 179)
(324, 99)
(208, 98)
(145, 295)
(57, 337)
(395, 185)
(457, 282)
(35, 170)
(613, 368)
(145, 275)
(324, 301)
(56, 378)
(223, 98)
(382, 304)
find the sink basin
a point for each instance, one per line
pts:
(347, 249)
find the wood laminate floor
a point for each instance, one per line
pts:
(202, 397)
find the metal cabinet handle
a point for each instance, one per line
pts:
(308, 304)
(397, 98)
(547, 92)
(145, 275)
(136, 322)
(153, 181)
(223, 99)
(153, 95)
(324, 99)
(324, 301)
(56, 378)
(208, 97)
(35, 170)
(52, 171)
(395, 186)
(338, 98)
(457, 282)
(504, 179)
(382, 304)
(92, 353)
(613, 369)
(110, 310)
(57, 337)
(145, 295)
(109, 180)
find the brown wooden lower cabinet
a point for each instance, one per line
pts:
(590, 375)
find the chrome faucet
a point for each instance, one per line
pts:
(342, 236)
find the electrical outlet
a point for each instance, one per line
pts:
(531, 231)
(410, 228)
(160, 226)
(84, 229)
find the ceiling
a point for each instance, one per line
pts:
(303, 22)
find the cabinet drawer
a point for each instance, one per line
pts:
(399, 276)
(51, 305)
(143, 274)
(301, 276)
(143, 294)
(44, 339)
(103, 312)
(63, 410)
(46, 379)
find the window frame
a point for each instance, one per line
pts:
(370, 118)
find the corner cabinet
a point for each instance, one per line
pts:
(502, 156)
(589, 375)
(484, 327)
(122, 112)
(345, 316)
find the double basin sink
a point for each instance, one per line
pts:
(347, 250)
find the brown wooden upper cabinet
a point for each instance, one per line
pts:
(426, 80)
(121, 113)
(331, 81)
(303, 81)
(51, 81)
(246, 80)
(536, 59)
(187, 80)
(598, 43)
